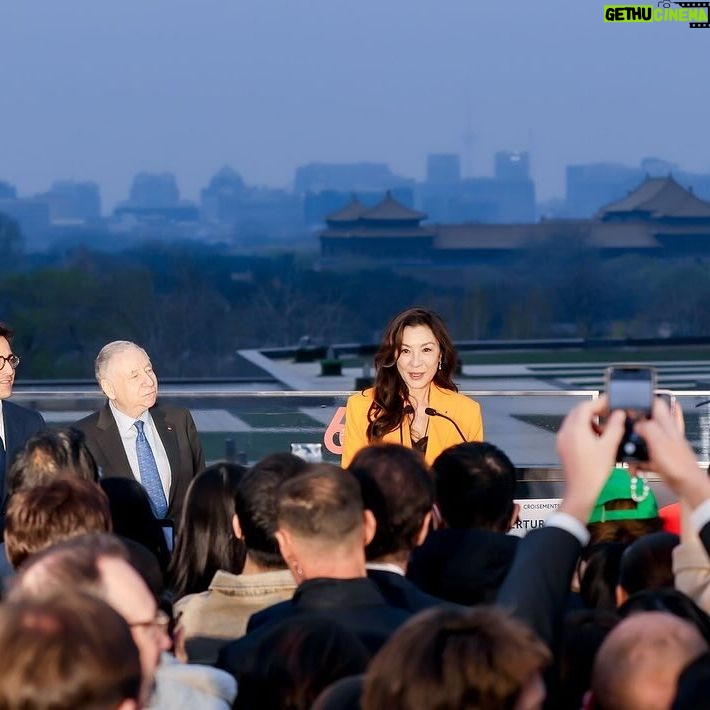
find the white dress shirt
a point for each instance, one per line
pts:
(129, 434)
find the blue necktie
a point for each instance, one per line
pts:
(150, 478)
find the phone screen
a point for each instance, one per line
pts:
(631, 389)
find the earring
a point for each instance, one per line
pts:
(440, 363)
(298, 570)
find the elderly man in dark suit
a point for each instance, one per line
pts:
(133, 437)
(17, 424)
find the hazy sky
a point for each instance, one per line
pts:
(101, 89)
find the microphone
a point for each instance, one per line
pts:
(433, 413)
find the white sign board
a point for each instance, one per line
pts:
(533, 514)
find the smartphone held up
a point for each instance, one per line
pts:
(631, 388)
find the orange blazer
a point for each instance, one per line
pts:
(442, 434)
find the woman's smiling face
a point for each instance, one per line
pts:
(418, 357)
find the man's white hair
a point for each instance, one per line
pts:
(107, 352)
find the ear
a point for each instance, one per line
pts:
(283, 537)
(515, 516)
(424, 529)
(621, 595)
(128, 704)
(369, 526)
(236, 527)
(107, 388)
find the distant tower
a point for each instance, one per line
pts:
(512, 165)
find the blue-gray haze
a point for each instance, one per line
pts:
(101, 89)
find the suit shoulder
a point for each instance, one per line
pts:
(87, 422)
(17, 411)
(361, 400)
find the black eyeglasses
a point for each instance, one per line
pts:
(14, 361)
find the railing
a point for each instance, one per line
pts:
(245, 426)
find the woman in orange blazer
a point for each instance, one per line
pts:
(414, 401)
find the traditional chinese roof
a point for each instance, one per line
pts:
(657, 198)
(350, 213)
(392, 210)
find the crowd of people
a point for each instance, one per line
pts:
(388, 582)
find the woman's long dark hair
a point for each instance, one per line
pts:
(205, 541)
(391, 394)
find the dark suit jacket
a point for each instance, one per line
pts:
(537, 586)
(355, 604)
(465, 566)
(399, 592)
(177, 431)
(20, 424)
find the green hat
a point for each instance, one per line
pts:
(618, 487)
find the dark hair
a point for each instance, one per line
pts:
(205, 540)
(597, 586)
(475, 486)
(396, 486)
(42, 516)
(133, 517)
(48, 452)
(648, 563)
(323, 502)
(6, 332)
(70, 651)
(295, 660)
(390, 393)
(255, 505)
(669, 600)
(452, 658)
(625, 531)
(583, 634)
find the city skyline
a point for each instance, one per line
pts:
(101, 92)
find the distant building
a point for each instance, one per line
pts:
(512, 166)
(658, 218)
(347, 177)
(443, 169)
(7, 191)
(155, 198)
(389, 230)
(220, 201)
(588, 187)
(73, 201)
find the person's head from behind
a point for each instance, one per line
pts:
(647, 564)
(49, 453)
(125, 374)
(255, 505)
(67, 652)
(397, 487)
(451, 659)
(625, 510)
(133, 518)
(475, 487)
(205, 541)
(42, 516)
(322, 526)
(99, 564)
(599, 575)
(640, 660)
(306, 654)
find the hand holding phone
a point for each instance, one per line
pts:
(631, 389)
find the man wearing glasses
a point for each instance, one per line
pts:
(17, 424)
